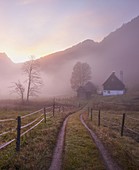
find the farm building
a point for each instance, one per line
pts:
(85, 92)
(81, 93)
(113, 86)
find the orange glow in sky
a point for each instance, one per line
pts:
(41, 27)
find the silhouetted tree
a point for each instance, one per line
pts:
(31, 70)
(81, 75)
(18, 89)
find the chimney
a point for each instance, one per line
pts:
(121, 76)
(113, 72)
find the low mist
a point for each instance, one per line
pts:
(117, 52)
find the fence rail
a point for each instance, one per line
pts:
(117, 105)
(22, 127)
(114, 103)
(4, 133)
(19, 127)
(131, 130)
(31, 113)
(6, 144)
(132, 118)
(114, 120)
(19, 119)
(7, 120)
(32, 127)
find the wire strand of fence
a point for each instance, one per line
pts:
(32, 127)
(105, 117)
(131, 130)
(7, 120)
(9, 142)
(4, 133)
(31, 113)
(132, 118)
(50, 107)
(49, 117)
(22, 127)
(116, 124)
(48, 112)
(129, 104)
(104, 121)
(6, 144)
(118, 115)
(95, 117)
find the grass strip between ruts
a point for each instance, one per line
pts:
(80, 151)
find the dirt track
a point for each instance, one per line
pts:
(57, 157)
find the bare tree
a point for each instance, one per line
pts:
(19, 89)
(81, 74)
(31, 69)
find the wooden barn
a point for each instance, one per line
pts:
(113, 86)
(81, 93)
(85, 92)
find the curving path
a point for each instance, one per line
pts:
(57, 156)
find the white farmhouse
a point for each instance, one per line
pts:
(113, 86)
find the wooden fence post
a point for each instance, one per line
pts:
(123, 122)
(88, 111)
(62, 111)
(63, 108)
(79, 104)
(54, 108)
(91, 113)
(59, 108)
(18, 133)
(99, 118)
(44, 115)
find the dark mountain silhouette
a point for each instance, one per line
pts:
(77, 52)
(9, 73)
(7, 67)
(4, 60)
(121, 52)
(118, 51)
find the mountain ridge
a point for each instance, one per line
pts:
(92, 42)
(118, 51)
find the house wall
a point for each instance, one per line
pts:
(112, 92)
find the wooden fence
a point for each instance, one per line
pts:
(116, 122)
(42, 117)
(105, 105)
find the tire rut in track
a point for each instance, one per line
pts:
(57, 156)
(109, 162)
(58, 151)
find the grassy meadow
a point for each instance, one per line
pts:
(38, 144)
(125, 149)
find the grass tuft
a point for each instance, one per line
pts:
(80, 152)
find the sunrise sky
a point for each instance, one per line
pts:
(40, 27)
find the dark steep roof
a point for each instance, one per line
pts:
(90, 87)
(113, 83)
(87, 90)
(81, 89)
